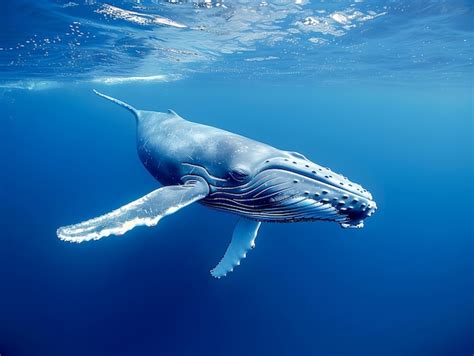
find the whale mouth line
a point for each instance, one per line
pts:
(269, 186)
(283, 195)
(224, 184)
(329, 184)
(204, 170)
(298, 164)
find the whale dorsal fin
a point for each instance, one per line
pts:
(147, 210)
(175, 114)
(243, 239)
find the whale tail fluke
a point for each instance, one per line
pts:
(121, 103)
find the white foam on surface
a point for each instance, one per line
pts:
(136, 41)
(31, 85)
(124, 80)
(317, 40)
(261, 59)
(38, 85)
(137, 17)
(337, 23)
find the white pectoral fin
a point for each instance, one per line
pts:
(243, 239)
(147, 210)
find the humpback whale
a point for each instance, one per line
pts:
(229, 172)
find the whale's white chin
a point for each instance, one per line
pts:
(360, 225)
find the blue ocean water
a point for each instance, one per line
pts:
(380, 91)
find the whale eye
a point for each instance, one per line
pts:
(240, 174)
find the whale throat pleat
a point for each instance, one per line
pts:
(148, 211)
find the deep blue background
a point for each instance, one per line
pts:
(403, 285)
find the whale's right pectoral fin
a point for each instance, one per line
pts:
(243, 239)
(147, 210)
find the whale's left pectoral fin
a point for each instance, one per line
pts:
(243, 239)
(147, 210)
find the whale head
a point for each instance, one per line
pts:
(287, 187)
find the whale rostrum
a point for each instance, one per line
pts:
(228, 172)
